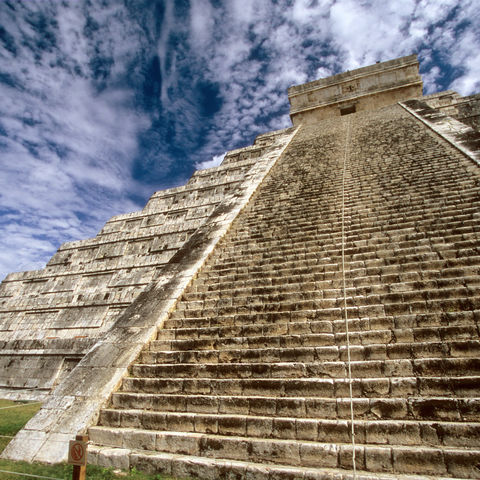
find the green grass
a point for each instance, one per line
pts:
(13, 419)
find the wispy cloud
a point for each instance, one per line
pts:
(66, 147)
(105, 102)
(214, 162)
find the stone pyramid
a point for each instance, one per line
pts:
(316, 317)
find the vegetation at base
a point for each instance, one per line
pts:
(64, 472)
(13, 419)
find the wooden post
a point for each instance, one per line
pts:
(80, 471)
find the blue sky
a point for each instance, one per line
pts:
(105, 101)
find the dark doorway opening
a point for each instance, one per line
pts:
(347, 110)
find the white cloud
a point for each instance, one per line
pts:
(214, 162)
(245, 12)
(433, 11)
(84, 138)
(201, 23)
(68, 151)
(430, 80)
(467, 58)
(323, 72)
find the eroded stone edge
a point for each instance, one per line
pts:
(458, 134)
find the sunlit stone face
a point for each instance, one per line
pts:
(367, 88)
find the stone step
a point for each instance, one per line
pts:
(355, 266)
(461, 386)
(364, 185)
(453, 242)
(332, 260)
(428, 367)
(468, 276)
(390, 459)
(328, 320)
(330, 212)
(323, 333)
(380, 222)
(322, 254)
(443, 268)
(359, 221)
(205, 468)
(368, 250)
(329, 298)
(410, 408)
(330, 310)
(372, 432)
(365, 194)
(270, 247)
(244, 243)
(358, 205)
(456, 349)
(328, 290)
(391, 276)
(359, 230)
(314, 300)
(287, 334)
(300, 310)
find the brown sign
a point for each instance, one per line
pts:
(77, 453)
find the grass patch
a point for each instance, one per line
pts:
(13, 419)
(64, 472)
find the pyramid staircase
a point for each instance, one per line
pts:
(249, 377)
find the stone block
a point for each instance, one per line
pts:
(419, 461)
(319, 455)
(206, 424)
(275, 452)
(256, 472)
(388, 408)
(153, 420)
(378, 459)
(229, 448)
(345, 457)
(393, 433)
(260, 427)
(116, 458)
(462, 464)
(106, 436)
(151, 463)
(187, 468)
(111, 418)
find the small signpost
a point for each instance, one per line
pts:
(77, 456)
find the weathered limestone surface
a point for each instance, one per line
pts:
(459, 134)
(233, 361)
(75, 403)
(50, 318)
(367, 88)
(449, 102)
(248, 375)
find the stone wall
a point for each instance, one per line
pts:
(75, 402)
(220, 320)
(367, 221)
(51, 317)
(367, 88)
(449, 102)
